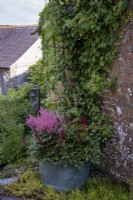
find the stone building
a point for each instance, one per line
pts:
(19, 49)
(118, 154)
(117, 157)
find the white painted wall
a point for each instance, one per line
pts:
(29, 58)
(18, 70)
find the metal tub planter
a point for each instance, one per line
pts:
(63, 178)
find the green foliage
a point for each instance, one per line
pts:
(81, 142)
(18, 102)
(12, 136)
(95, 189)
(42, 75)
(16, 105)
(78, 47)
(76, 195)
(105, 190)
(70, 150)
(45, 72)
(51, 194)
(15, 108)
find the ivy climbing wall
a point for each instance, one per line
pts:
(90, 32)
(118, 154)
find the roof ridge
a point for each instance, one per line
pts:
(18, 26)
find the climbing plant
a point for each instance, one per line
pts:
(79, 41)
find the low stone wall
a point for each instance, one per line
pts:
(118, 154)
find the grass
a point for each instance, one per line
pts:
(29, 187)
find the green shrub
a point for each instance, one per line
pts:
(15, 107)
(105, 190)
(12, 136)
(76, 195)
(17, 103)
(51, 194)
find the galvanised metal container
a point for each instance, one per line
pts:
(63, 178)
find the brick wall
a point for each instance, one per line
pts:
(118, 154)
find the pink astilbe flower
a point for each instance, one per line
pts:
(31, 122)
(46, 122)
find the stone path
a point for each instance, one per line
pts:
(8, 198)
(7, 181)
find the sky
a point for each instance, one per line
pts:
(20, 12)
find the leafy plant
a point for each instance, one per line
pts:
(105, 190)
(12, 141)
(63, 139)
(78, 46)
(86, 45)
(19, 102)
(14, 136)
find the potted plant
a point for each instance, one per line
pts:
(64, 148)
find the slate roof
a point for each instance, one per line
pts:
(14, 42)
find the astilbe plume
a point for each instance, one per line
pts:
(46, 121)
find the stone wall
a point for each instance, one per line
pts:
(4, 80)
(118, 154)
(10, 78)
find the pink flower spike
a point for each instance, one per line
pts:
(46, 122)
